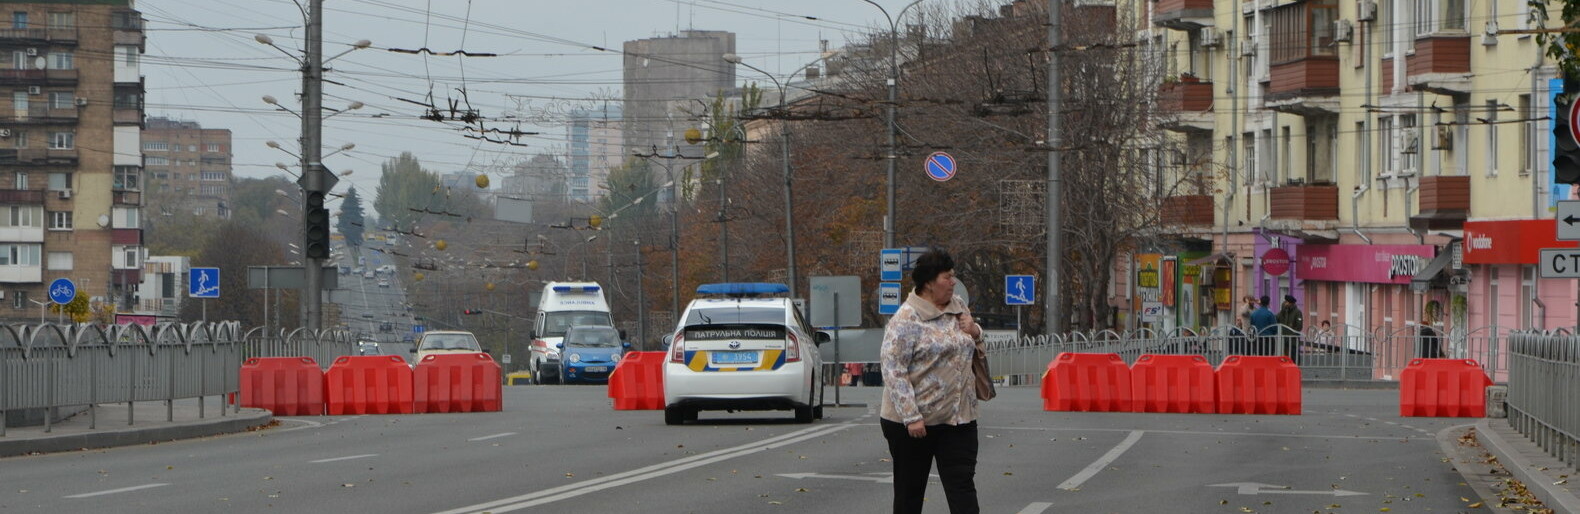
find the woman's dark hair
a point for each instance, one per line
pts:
(931, 264)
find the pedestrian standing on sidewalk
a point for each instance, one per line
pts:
(1262, 320)
(929, 408)
(1293, 325)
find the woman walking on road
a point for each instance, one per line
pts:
(929, 405)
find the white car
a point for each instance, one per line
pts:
(739, 348)
(384, 283)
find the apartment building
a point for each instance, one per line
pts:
(70, 166)
(188, 168)
(1386, 162)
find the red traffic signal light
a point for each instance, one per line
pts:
(471, 311)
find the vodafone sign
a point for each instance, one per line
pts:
(1275, 262)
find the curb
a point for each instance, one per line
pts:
(128, 436)
(1527, 464)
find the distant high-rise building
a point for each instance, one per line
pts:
(188, 168)
(595, 147)
(70, 166)
(663, 75)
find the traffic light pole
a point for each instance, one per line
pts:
(312, 170)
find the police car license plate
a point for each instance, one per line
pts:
(596, 369)
(745, 357)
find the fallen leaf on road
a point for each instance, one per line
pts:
(348, 485)
(569, 475)
(775, 503)
(1008, 474)
(1476, 505)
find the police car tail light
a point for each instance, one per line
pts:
(677, 350)
(792, 348)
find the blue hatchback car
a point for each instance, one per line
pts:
(589, 353)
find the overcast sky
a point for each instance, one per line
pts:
(202, 64)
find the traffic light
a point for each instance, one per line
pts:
(317, 221)
(470, 312)
(1566, 152)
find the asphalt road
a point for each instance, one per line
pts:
(563, 449)
(364, 306)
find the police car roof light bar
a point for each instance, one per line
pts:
(741, 289)
(575, 289)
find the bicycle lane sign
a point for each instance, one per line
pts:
(62, 291)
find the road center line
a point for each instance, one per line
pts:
(647, 473)
(1199, 433)
(114, 491)
(337, 459)
(495, 436)
(1102, 462)
(1035, 508)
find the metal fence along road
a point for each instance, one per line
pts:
(1338, 353)
(49, 366)
(1544, 375)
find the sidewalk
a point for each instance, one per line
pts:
(1546, 477)
(149, 424)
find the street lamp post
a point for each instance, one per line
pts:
(894, 93)
(784, 149)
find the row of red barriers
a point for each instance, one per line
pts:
(372, 384)
(1093, 382)
(638, 381)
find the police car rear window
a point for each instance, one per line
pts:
(736, 315)
(721, 332)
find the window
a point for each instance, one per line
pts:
(19, 20)
(1301, 30)
(126, 55)
(212, 189)
(19, 299)
(19, 254)
(1385, 145)
(155, 146)
(22, 216)
(128, 178)
(154, 160)
(20, 136)
(128, 100)
(1267, 160)
(60, 220)
(60, 261)
(1492, 138)
(1286, 162)
(213, 175)
(191, 148)
(61, 99)
(130, 256)
(62, 20)
(1527, 138)
(1528, 319)
(1437, 16)
(19, 103)
(62, 140)
(59, 181)
(127, 217)
(62, 60)
(20, 181)
(211, 147)
(1250, 158)
(1410, 145)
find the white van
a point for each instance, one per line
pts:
(562, 306)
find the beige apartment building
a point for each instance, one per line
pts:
(188, 168)
(70, 166)
(1386, 162)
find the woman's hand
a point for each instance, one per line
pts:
(969, 325)
(916, 429)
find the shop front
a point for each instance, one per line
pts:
(1364, 290)
(1505, 290)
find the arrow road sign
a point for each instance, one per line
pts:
(1569, 219)
(1253, 488)
(203, 283)
(1019, 290)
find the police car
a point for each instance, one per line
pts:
(740, 347)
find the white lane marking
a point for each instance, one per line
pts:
(305, 424)
(1035, 508)
(882, 478)
(654, 471)
(114, 491)
(495, 436)
(1255, 488)
(1188, 432)
(337, 459)
(1102, 462)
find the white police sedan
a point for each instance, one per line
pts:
(743, 346)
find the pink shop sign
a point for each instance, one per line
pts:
(1376, 264)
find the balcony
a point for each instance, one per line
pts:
(1187, 210)
(1305, 87)
(1444, 203)
(1440, 64)
(127, 197)
(1187, 105)
(129, 38)
(126, 276)
(38, 77)
(41, 114)
(21, 197)
(1305, 203)
(21, 274)
(40, 35)
(37, 157)
(1183, 14)
(122, 116)
(126, 236)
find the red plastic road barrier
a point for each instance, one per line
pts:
(1173, 383)
(368, 384)
(1449, 388)
(457, 382)
(286, 386)
(1090, 382)
(638, 381)
(1258, 385)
